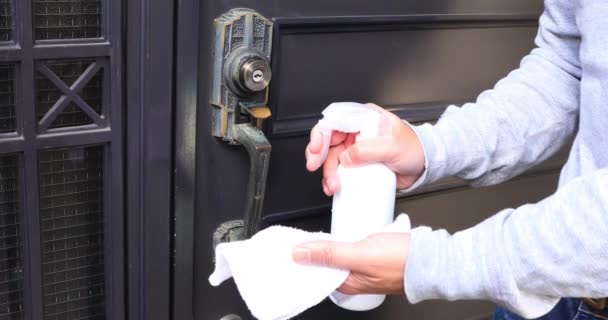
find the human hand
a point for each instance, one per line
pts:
(377, 263)
(398, 147)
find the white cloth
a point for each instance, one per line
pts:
(273, 286)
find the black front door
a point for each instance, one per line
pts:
(413, 57)
(61, 188)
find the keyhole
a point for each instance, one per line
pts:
(258, 75)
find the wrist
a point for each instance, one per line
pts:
(417, 157)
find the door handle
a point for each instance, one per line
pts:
(241, 75)
(258, 147)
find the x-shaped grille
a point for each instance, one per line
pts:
(70, 94)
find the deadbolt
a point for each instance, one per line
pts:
(247, 71)
(255, 74)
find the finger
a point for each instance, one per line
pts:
(330, 169)
(356, 284)
(325, 188)
(316, 140)
(314, 149)
(347, 288)
(327, 253)
(313, 160)
(337, 137)
(350, 140)
(373, 150)
(353, 285)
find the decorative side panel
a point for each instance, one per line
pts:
(72, 232)
(61, 116)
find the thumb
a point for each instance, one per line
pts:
(373, 150)
(326, 253)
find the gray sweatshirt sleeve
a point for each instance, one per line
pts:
(524, 258)
(525, 119)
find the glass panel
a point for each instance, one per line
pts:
(47, 93)
(67, 19)
(7, 98)
(72, 231)
(6, 20)
(11, 267)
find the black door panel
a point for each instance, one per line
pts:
(403, 63)
(414, 58)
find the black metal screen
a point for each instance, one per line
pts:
(7, 98)
(6, 20)
(67, 19)
(71, 215)
(11, 270)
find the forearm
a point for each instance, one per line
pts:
(524, 259)
(527, 117)
(520, 123)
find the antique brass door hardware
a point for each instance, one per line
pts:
(241, 76)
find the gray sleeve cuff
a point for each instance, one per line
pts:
(432, 155)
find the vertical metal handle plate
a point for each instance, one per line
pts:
(241, 77)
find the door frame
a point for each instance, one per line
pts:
(186, 104)
(149, 30)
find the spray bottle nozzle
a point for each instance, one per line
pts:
(348, 117)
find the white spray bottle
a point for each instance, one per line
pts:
(366, 200)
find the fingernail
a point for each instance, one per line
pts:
(301, 255)
(311, 165)
(331, 183)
